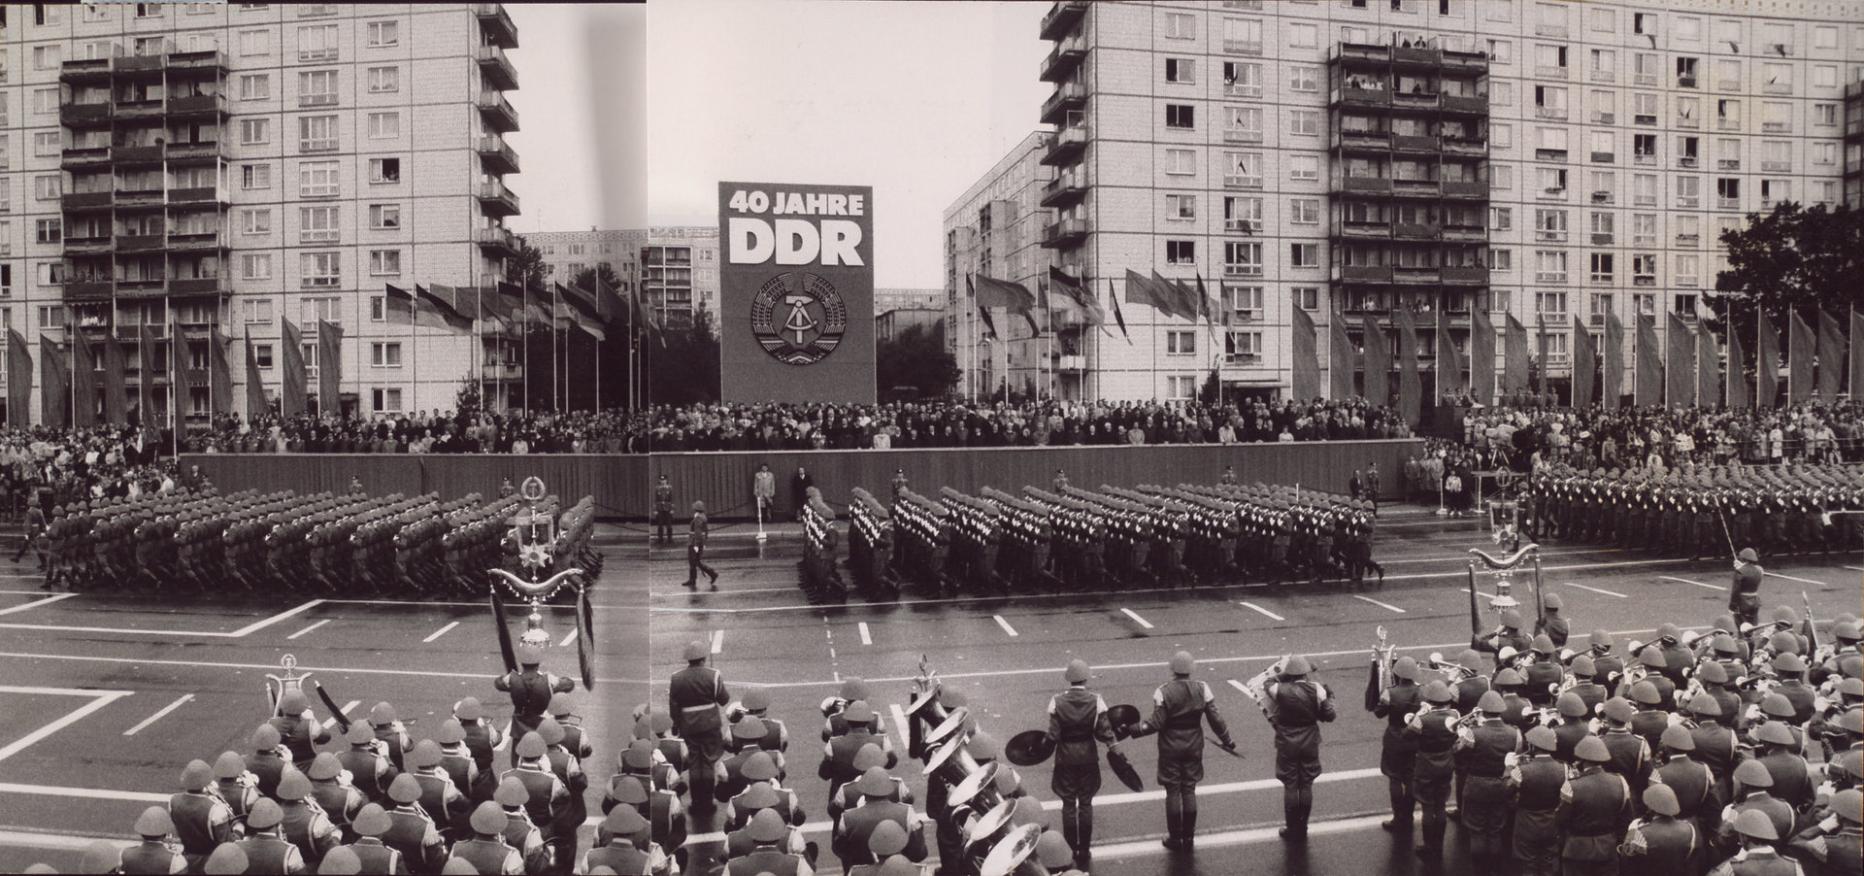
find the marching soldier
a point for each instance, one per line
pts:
(696, 535)
(1837, 844)
(1553, 625)
(531, 689)
(155, 854)
(367, 763)
(266, 850)
(1664, 845)
(1296, 707)
(338, 799)
(297, 729)
(1595, 809)
(1507, 635)
(1757, 857)
(694, 699)
(1077, 727)
(1744, 596)
(663, 511)
(1482, 753)
(1630, 753)
(1537, 782)
(899, 484)
(1434, 730)
(486, 851)
(1180, 708)
(1398, 751)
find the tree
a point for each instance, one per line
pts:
(686, 369)
(1792, 259)
(603, 271)
(1212, 388)
(527, 268)
(915, 361)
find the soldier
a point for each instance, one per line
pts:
(1744, 595)
(1630, 752)
(1077, 727)
(531, 689)
(696, 535)
(390, 733)
(367, 763)
(1434, 731)
(486, 852)
(1482, 752)
(1690, 782)
(620, 854)
(443, 801)
(1507, 635)
(857, 825)
(768, 855)
(1595, 809)
(1837, 843)
(1229, 476)
(372, 822)
(155, 854)
(1536, 783)
(1372, 487)
(1398, 751)
(899, 484)
(1180, 707)
(235, 785)
(663, 511)
(201, 819)
(304, 823)
(1666, 844)
(1296, 707)
(339, 800)
(1757, 856)
(482, 738)
(1553, 624)
(520, 832)
(546, 796)
(694, 698)
(1779, 753)
(267, 761)
(457, 760)
(764, 492)
(410, 831)
(266, 851)
(298, 730)
(1060, 482)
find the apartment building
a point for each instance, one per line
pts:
(996, 228)
(679, 273)
(568, 253)
(1355, 155)
(173, 172)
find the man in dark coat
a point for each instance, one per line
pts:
(1296, 708)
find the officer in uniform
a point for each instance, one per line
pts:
(696, 535)
(267, 851)
(663, 511)
(1077, 727)
(1665, 844)
(1537, 781)
(201, 819)
(1595, 809)
(1434, 731)
(899, 484)
(1744, 596)
(1296, 708)
(694, 699)
(531, 690)
(486, 852)
(155, 854)
(1553, 625)
(1397, 751)
(1482, 754)
(1180, 708)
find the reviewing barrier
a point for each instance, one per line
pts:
(618, 483)
(723, 479)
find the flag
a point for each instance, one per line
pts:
(1078, 296)
(83, 380)
(1679, 363)
(255, 384)
(1585, 362)
(1410, 389)
(1306, 357)
(1766, 361)
(18, 380)
(1649, 386)
(1140, 290)
(1799, 351)
(444, 302)
(179, 378)
(1449, 364)
(1857, 355)
(1012, 297)
(1515, 370)
(116, 391)
(1178, 296)
(398, 305)
(1737, 379)
(1342, 360)
(1209, 310)
(1378, 358)
(54, 385)
(1831, 356)
(1540, 345)
(1482, 355)
(222, 373)
(1708, 371)
(1119, 316)
(983, 313)
(330, 368)
(145, 362)
(291, 400)
(1614, 370)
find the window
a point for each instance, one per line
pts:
(384, 216)
(317, 179)
(384, 33)
(1304, 255)
(319, 269)
(317, 42)
(1601, 267)
(385, 354)
(1825, 39)
(1550, 225)
(1181, 162)
(317, 133)
(1824, 152)
(1304, 122)
(385, 170)
(1306, 297)
(1304, 211)
(255, 177)
(1776, 116)
(1180, 343)
(1242, 215)
(383, 80)
(317, 225)
(384, 125)
(46, 143)
(254, 132)
(49, 230)
(1550, 303)
(1550, 266)
(1180, 252)
(386, 400)
(149, 10)
(1603, 226)
(1644, 22)
(1552, 180)
(1302, 35)
(1242, 258)
(1551, 58)
(1728, 192)
(1179, 115)
(47, 57)
(50, 186)
(1181, 208)
(1728, 114)
(1501, 51)
(385, 262)
(1825, 114)
(1242, 169)
(256, 220)
(317, 88)
(1243, 347)
(45, 101)
(256, 310)
(1774, 191)
(1181, 387)
(255, 42)
(1303, 77)
(1242, 123)
(1243, 79)
(1180, 26)
(1501, 218)
(1180, 70)
(1688, 191)
(1501, 259)
(1304, 167)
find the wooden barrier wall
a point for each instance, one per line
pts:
(618, 483)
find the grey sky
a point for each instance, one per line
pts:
(582, 72)
(916, 99)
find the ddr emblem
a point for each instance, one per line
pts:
(798, 318)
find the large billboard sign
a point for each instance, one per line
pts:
(796, 292)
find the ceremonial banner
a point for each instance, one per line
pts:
(220, 374)
(1585, 363)
(1708, 371)
(1410, 389)
(1306, 377)
(1766, 362)
(1515, 369)
(1831, 356)
(1178, 294)
(796, 293)
(1679, 363)
(291, 401)
(1649, 385)
(1077, 295)
(1736, 377)
(1799, 350)
(1378, 357)
(83, 380)
(1341, 360)
(1119, 316)
(145, 391)
(116, 391)
(1449, 364)
(255, 384)
(1482, 355)
(54, 385)
(18, 380)
(330, 368)
(1613, 371)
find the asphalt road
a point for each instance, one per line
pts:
(1007, 654)
(107, 696)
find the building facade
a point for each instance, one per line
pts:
(567, 254)
(1586, 155)
(890, 323)
(177, 172)
(995, 229)
(895, 298)
(674, 267)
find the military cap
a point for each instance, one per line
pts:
(631, 792)
(748, 729)
(341, 860)
(325, 767)
(1661, 800)
(1511, 619)
(292, 702)
(1543, 738)
(766, 826)
(859, 713)
(639, 755)
(1783, 642)
(1705, 706)
(1508, 677)
(1725, 644)
(1847, 804)
(874, 783)
(1182, 663)
(229, 765)
(450, 733)
(1645, 693)
(229, 858)
(983, 747)
(1543, 643)
(265, 738)
(1677, 737)
(1469, 659)
(855, 688)
(1077, 671)
(463, 867)
(293, 785)
(1852, 721)
(1776, 705)
(870, 755)
(759, 767)
(102, 856)
(1600, 640)
(1774, 733)
(197, 775)
(532, 745)
(404, 789)
(489, 819)
(373, 820)
(1851, 687)
(1845, 631)
(756, 699)
(265, 814)
(511, 792)
(1619, 709)
(1438, 692)
(551, 731)
(382, 714)
(1753, 774)
(695, 651)
(1712, 672)
(1491, 702)
(1784, 614)
(1789, 663)
(469, 709)
(1506, 654)
(1669, 631)
(1592, 750)
(1553, 602)
(659, 723)
(898, 865)
(1748, 555)
(560, 704)
(1405, 668)
(1583, 667)
(1754, 824)
(154, 821)
(360, 734)
(758, 795)
(1297, 666)
(888, 838)
(1570, 705)
(1007, 781)
(1651, 658)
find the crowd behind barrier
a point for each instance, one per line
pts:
(607, 431)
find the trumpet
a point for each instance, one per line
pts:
(1456, 671)
(1383, 653)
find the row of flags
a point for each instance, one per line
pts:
(1685, 372)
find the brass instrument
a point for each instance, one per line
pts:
(1453, 672)
(1383, 653)
(1256, 688)
(971, 780)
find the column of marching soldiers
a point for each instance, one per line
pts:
(1068, 538)
(285, 543)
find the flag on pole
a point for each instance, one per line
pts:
(1831, 356)
(1708, 371)
(1077, 295)
(18, 380)
(1649, 362)
(1306, 377)
(1205, 306)
(1342, 359)
(1410, 388)
(1515, 371)
(445, 303)
(1736, 379)
(1799, 351)
(221, 374)
(330, 368)
(1679, 363)
(1614, 370)
(1012, 297)
(1140, 290)
(180, 378)
(116, 390)
(291, 395)
(1119, 316)
(1766, 361)
(83, 380)
(1585, 362)
(145, 390)
(1481, 355)
(1177, 296)
(255, 384)
(54, 385)
(983, 313)
(1378, 359)
(1449, 364)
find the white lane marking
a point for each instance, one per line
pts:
(1687, 581)
(1136, 618)
(441, 603)
(1220, 788)
(718, 641)
(301, 632)
(1242, 690)
(1262, 611)
(867, 638)
(899, 722)
(1384, 605)
(716, 837)
(101, 698)
(568, 639)
(1856, 568)
(1597, 590)
(158, 715)
(240, 633)
(488, 674)
(36, 603)
(1243, 837)
(1004, 624)
(332, 720)
(440, 632)
(1792, 578)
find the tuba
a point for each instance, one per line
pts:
(1383, 653)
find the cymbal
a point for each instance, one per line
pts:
(1029, 748)
(1122, 717)
(1123, 770)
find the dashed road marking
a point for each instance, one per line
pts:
(568, 639)
(99, 699)
(440, 632)
(1262, 611)
(1134, 615)
(240, 633)
(899, 722)
(158, 715)
(36, 603)
(1239, 687)
(1800, 580)
(301, 632)
(332, 720)
(867, 638)
(1856, 568)
(1384, 605)
(718, 641)
(1597, 590)
(1687, 581)
(1004, 624)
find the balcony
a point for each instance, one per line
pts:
(1413, 144)
(1462, 146)
(195, 242)
(1685, 82)
(196, 152)
(1727, 203)
(497, 241)
(497, 200)
(1366, 184)
(1415, 275)
(1689, 240)
(1687, 162)
(1238, 269)
(75, 202)
(497, 156)
(498, 112)
(504, 371)
(138, 155)
(1605, 76)
(1068, 96)
(140, 110)
(1242, 47)
(1362, 54)
(1776, 166)
(131, 198)
(140, 66)
(1727, 164)
(1558, 155)
(1062, 19)
(497, 68)
(495, 23)
(1242, 135)
(217, 285)
(203, 196)
(1241, 181)
(1348, 229)
(1064, 234)
(211, 61)
(84, 158)
(1416, 188)
(1551, 113)
(1063, 191)
(316, 100)
(1604, 157)
(1067, 145)
(1650, 119)
(1464, 275)
(322, 55)
(1415, 99)
(1477, 105)
(1459, 188)
(197, 106)
(1062, 60)
(83, 246)
(86, 115)
(1362, 274)
(1346, 95)
(1071, 362)
(128, 243)
(1362, 141)
(1604, 197)
(1465, 233)
(1416, 56)
(1235, 225)
(85, 70)
(1416, 231)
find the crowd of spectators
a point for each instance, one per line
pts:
(906, 425)
(607, 431)
(1662, 438)
(50, 467)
